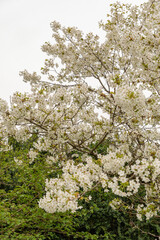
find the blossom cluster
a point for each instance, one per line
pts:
(72, 118)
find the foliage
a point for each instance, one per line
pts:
(21, 218)
(21, 187)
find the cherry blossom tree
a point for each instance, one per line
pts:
(72, 117)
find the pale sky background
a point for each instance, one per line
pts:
(25, 26)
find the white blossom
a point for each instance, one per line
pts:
(63, 112)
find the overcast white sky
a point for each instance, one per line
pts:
(25, 26)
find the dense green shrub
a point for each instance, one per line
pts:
(21, 186)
